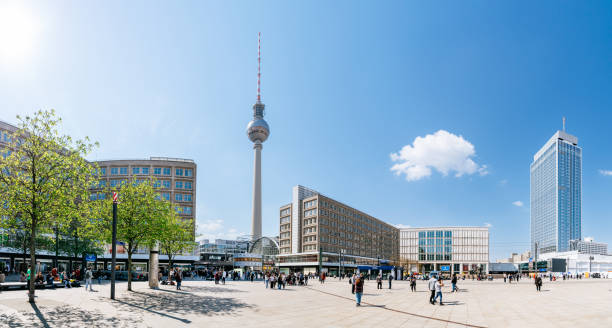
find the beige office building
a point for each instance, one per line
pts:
(176, 180)
(463, 250)
(318, 232)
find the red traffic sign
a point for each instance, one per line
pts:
(114, 197)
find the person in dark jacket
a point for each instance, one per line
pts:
(178, 276)
(413, 283)
(358, 289)
(379, 281)
(390, 279)
(538, 283)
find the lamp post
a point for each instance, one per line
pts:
(114, 247)
(591, 258)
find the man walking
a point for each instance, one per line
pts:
(379, 281)
(178, 276)
(224, 276)
(438, 286)
(358, 289)
(413, 283)
(88, 277)
(431, 284)
(538, 283)
(454, 283)
(390, 279)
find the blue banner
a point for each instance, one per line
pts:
(90, 257)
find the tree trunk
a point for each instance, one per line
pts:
(32, 259)
(129, 268)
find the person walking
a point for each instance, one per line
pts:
(431, 284)
(88, 277)
(178, 276)
(390, 279)
(454, 283)
(358, 290)
(224, 276)
(267, 279)
(379, 281)
(413, 283)
(438, 286)
(538, 283)
(352, 281)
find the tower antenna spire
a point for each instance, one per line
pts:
(563, 123)
(259, 67)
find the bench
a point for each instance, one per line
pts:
(24, 285)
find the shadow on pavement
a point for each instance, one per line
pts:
(174, 304)
(205, 289)
(66, 316)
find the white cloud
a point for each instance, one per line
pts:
(518, 203)
(215, 229)
(606, 172)
(488, 225)
(442, 151)
(400, 226)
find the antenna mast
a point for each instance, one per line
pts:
(259, 67)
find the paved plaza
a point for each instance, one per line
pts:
(239, 303)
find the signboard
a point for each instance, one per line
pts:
(90, 257)
(531, 259)
(542, 270)
(445, 268)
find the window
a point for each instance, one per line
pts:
(178, 185)
(188, 172)
(178, 172)
(157, 184)
(102, 184)
(114, 170)
(165, 195)
(115, 183)
(123, 170)
(167, 171)
(178, 197)
(102, 171)
(166, 184)
(157, 170)
(135, 170)
(188, 185)
(187, 210)
(187, 197)
(145, 170)
(92, 197)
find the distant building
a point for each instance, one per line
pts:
(446, 249)
(588, 246)
(516, 258)
(556, 194)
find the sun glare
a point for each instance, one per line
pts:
(17, 33)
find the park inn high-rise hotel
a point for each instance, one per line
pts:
(556, 194)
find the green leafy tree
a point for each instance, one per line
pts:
(176, 235)
(43, 176)
(140, 215)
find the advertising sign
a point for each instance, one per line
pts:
(445, 268)
(90, 257)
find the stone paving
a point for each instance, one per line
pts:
(202, 303)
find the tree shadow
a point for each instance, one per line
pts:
(206, 289)
(174, 304)
(64, 316)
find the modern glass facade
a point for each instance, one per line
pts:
(448, 249)
(556, 194)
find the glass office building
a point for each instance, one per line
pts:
(463, 250)
(556, 194)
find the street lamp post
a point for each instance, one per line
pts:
(591, 258)
(114, 246)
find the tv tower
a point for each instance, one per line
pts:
(258, 131)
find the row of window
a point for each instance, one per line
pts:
(360, 219)
(164, 195)
(310, 239)
(145, 170)
(310, 230)
(310, 212)
(310, 248)
(183, 210)
(310, 204)
(285, 212)
(436, 234)
(285, 219)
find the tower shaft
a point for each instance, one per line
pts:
(256, 215)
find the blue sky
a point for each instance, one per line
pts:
(346, 84)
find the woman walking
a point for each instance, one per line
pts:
(413, 283)
(358, 289)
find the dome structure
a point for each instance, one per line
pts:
(258, 130)
(265, 246)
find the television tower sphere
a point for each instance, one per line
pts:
(258, 130)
